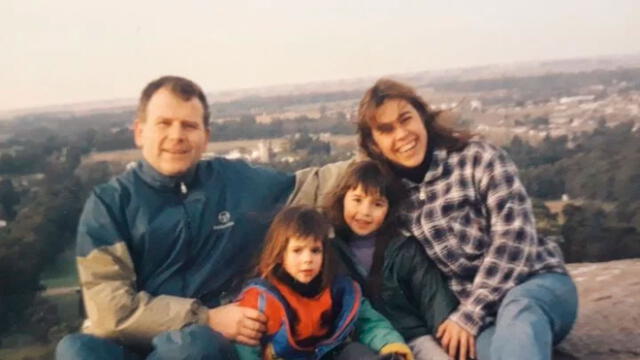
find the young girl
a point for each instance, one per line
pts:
(311, 314)
(396, 273)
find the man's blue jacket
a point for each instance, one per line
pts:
(155, 252)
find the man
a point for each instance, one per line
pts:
(161, 246)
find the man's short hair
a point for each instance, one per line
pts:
(183, 88)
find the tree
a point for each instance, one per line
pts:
(9, 198)
(591, 235)
(546, 222)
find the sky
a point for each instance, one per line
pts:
(70, 51)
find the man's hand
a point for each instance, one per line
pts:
(456, 340)
(238, 323)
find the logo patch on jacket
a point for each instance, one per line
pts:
(224, 219)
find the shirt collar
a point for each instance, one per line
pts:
(436, 167)
(156, 179)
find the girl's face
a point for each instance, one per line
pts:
(302, 258)
(364, 213)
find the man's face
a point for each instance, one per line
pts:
(399, 133)
(173, 136)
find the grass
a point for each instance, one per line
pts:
(36, 351)
(62, 272)
(67, 305)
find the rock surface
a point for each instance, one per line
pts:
(608, 324)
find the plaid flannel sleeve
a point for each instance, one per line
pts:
(512, 235)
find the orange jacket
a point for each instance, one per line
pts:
(311, 313)
(319, 326)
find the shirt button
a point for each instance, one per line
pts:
(422, 195)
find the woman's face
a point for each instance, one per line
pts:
(399, 133)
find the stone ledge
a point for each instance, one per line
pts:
(608, 324)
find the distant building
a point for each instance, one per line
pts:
(576, 99)
(264, 118)
(264, 152)
(559, 120)
(475, 105)
(234, 155)
(444, 106)
(289, 158)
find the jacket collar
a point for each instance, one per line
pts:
(436, 168)
(154, 178)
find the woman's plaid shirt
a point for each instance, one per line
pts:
(474, 218)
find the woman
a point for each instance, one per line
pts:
(471, 213)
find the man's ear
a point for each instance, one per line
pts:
(137, 128)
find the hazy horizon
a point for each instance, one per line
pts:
(75, 52)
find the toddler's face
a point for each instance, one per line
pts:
(364, 213)
(303, 258)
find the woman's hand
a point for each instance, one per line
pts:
(456, 341)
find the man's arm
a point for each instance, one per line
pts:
(314, 184)
(115, 308)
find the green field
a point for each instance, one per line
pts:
(60, 278)
(21, 346)
(62, 273)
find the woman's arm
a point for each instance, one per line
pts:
(512, 237)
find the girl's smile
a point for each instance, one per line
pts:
(364, 213)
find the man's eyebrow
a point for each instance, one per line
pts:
(161, 118)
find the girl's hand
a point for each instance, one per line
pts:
(456, 341)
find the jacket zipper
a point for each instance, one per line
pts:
(183, 197)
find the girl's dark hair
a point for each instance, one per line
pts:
(375, 179)
(440, 135)
(302, 222)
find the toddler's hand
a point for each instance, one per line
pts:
(396, 351)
